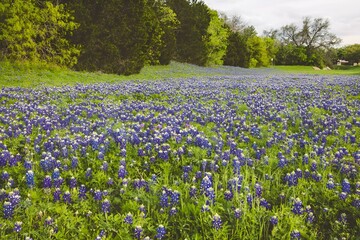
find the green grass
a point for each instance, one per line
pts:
(310, 70)
(33, 75)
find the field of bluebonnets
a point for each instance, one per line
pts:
(237, 157)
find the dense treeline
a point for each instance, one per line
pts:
(120, 36)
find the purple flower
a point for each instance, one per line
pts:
(346, 186)
(297, 206)
(330, 184)
(164, 199)
(274, 220)
(295, 234)
(47, 182)
(82, 191)
(128, 218)
(310, 218)
(138, 231)
(105, 206)
(73, 182)
(343, 196)
(228, 195)
(67, 197)
(173, 211)
(30, 179)
(97, 195)
(175, 197)
(57, 194)
(216, 222)
(161, 231)
(122, 172)
(192, 191)
(48, 221)
(17, 226)
(258, 189)
(237, 213)
(8, 210)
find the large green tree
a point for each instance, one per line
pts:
(350, 53)
(194, 17)
(312, 39)
(113, 34)
(36, 31)
(216, 40)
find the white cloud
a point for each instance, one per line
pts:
(344, 15)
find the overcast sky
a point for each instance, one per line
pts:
(344, 15)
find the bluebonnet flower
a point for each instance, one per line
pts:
(343, 196)
(161, 231)
(295, 234)
(258, 189)
(264, 203)
(173, 211)
(30, 179)
(8, 210)
(210, 193)
(142, 208)
(56, 194)
(310, 218)
(17, 226)
(67, 197)
(164, 199)
(48, 221)
(82, 191)
(228, 195)
(138, 231)
(97, 195)
(346, 186)
(313, 166)
(205, 208)
(47, 182)
(56, 173)
(122, 172)
(14, 197)
(206, 183)
(175, 197)
(74, 162)
(105, 206)
(274, 220)
(128, 218)
(330, 184)
(249, 199)
(28, 165)
(343, 218)
(88, 173)
(73, 182)
(58, 182)
(237, 213)
(216, 222)
(297, 206)
(110, 181)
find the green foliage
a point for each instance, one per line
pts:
(310, 44)
(35, 31)
(113, 35)
(194, 20)
(216, 41)
(161, 25)
(350, 53)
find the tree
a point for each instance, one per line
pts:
(113, 34)
(194, 18)
(350, 53)
(37, 31)
(161, 25)
(239, 50)
(314, 37)
(216, 41)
